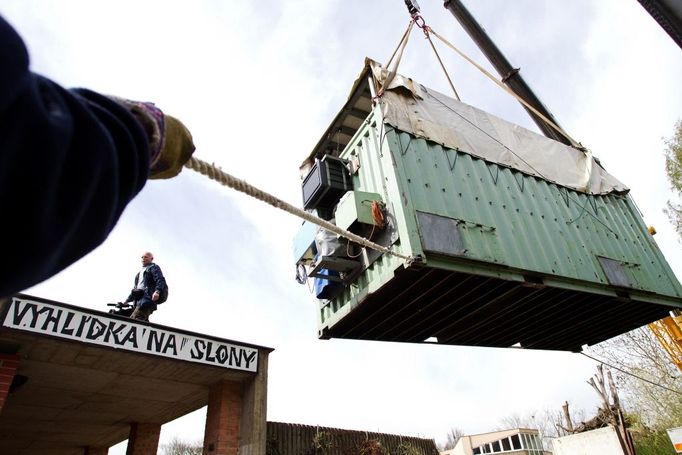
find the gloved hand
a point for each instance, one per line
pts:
(176, 149)
(170, 142)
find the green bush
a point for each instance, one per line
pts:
(654, 443)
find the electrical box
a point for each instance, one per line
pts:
(326, 182)
(355, 206)
(304, 243)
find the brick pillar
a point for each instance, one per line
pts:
(8, 368)
(96, 451)
(253, 426)
(221, 436)
(143, 438)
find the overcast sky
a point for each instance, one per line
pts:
(258, 83)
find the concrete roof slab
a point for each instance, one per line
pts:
(84, 389)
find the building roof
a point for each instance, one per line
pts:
(86, 379)
(483, 438)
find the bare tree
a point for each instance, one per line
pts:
(451, 438)
(648, 382)
(611, 412)
(179, 447)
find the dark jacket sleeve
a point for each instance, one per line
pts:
(159, 280)
(70, 161)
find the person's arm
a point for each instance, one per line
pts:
(159, 282)
(159, 279)
(70, 161)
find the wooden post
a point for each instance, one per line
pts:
(567, 417)
(613, 411)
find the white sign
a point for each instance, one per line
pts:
(675, 435)
(63, 322)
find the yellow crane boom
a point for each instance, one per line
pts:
(668, 331)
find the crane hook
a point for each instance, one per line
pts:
(412, 7)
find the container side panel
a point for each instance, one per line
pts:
(508, 218)
(505, 254)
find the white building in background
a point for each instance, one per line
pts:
(512, 442)
(602, 441)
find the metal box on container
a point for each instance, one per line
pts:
(327, 180)
(355, 207)
(514, 239)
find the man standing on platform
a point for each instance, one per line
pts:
(150, 289)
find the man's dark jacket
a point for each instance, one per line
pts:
(153, 281)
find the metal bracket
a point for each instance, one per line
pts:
(415, 262)
(340, 265)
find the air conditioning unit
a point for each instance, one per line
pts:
(326, 182)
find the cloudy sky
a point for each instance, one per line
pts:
(258, 83)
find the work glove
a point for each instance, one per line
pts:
(170, 142)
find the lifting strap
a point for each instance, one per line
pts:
(447, 76)
(397, 54)
(415, 13)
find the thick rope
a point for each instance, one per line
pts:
(225, 179)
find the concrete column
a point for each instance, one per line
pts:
(8, 368)
(253, 429)
(221, 436)
(143, 438)
(96, 451)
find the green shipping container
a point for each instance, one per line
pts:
(516, 239)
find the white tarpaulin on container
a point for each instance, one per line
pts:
(411, 107)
